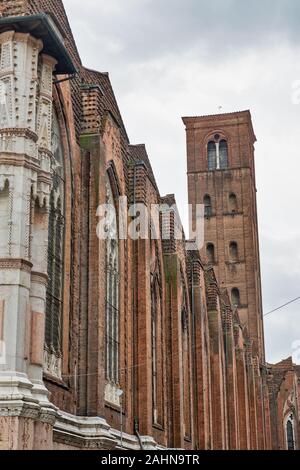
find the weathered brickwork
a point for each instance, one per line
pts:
(190, 365)
(284, 394)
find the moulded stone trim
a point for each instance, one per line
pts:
(83, 432)
(39, 278)
(18, 131)
(15, 263)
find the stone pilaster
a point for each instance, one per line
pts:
(25, 166)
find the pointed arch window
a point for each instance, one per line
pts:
(157, 351)
(217, 154)
(55, 263)
(112, 292)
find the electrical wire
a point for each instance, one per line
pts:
(282, 306)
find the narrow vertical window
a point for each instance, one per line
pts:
(290, 435)
(54, 294)
(186, 373)
(207, 206)
(233, 252)
(223, 153)
(112, 292)
(235, 297)
(210, 253)
(157, 339)
(212, 156)
(233, 207)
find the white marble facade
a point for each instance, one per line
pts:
(25, 184)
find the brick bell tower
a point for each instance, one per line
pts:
(221, 175)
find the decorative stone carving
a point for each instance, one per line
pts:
(25, 174)
(44, 120)
(52, 364)
(111, 394)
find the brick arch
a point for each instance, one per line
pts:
(210, 136)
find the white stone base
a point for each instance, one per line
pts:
(19, 397)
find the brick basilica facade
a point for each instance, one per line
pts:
(120, 342)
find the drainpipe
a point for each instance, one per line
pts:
(136, 431)
(134, 313)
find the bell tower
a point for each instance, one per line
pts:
(221, 175)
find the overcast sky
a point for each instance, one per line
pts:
(172, 58)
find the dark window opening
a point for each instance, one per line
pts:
(233, 251)
(207, 206)
(212, 156)
(233, 203)
(235, 297)
(223, 153)
(217, 154)
(210, 253)
(290, 436)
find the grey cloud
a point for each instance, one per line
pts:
(169, 58)
(280, 275)
(145, 29)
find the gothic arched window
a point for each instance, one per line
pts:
(54, 294)
(223, 154)
(290, 435)
(112, 291)
(217, 154)
(207, 206)
(212, 156)
(235, 297)
(157, 351)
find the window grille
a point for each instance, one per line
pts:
(112, 294)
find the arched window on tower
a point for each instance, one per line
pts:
(217, 154)
(290, 435)
(112, 291)
(233, 207)
(233, 252)
(212, 155)
(207, 206)
(223, 154)
(54, 294)
(210, 253)
(235, 297)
